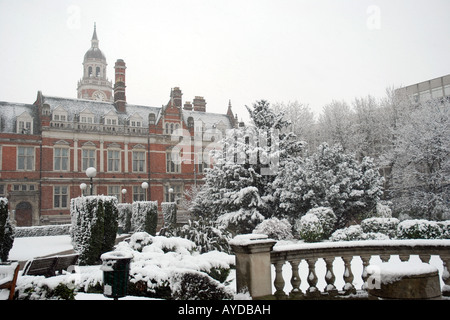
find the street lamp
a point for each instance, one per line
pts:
(124, 192)
(91, 172)
(170, 194)
(83, 187)
(144, 186)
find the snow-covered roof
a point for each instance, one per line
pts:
(98, 108)
(74, 107)
(210, 120)
(9, 111)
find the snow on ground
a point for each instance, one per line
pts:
(27, 248)
(31, 247)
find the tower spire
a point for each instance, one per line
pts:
(94, 40)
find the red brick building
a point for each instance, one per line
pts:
(46, 147)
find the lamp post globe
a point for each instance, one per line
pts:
(144, 186)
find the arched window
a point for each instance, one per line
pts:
(90, 72)
(97, 72)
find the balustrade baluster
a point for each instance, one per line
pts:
(403, 257)
(425, 258)
(330, 277)
(446, 275)
(279, 281)
(385, 257)
(296, 293)
(365, 261)
(349, 288)
(312, 291)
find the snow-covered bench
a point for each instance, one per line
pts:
(8, 278)
(49, 266)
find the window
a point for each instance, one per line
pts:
(138, 161)
(172, 162)
(2, 189)
(114, 191)
(25, 158)
(114, 160)
(24, 127)
(88, 158)
(175, 195)
(60, 196)
(138, 193)
(61, 159)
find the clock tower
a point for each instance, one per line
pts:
(94, 85)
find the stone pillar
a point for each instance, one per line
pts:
(253, 267)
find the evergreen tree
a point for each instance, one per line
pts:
(238, 189)
(329, 178)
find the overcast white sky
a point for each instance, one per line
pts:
(312, 51)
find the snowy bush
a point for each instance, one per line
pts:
(350, 233)
(41, 288)
(6, 231)
(310, 228)
(445, 227)
(124, 220)
(206, 234)
(194, 285)
(387, 226)
(94, 226)
(242, 221)
(164, 267)
(275, 229)
(43, 231)
(419, 229)
(327, 219)
(144, 216)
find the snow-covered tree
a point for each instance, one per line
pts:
(421, 170)
(238, 189)
(329, 178)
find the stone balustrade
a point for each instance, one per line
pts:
(255, 254)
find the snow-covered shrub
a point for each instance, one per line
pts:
(242, 221)
(124, 220)
(159, 265)
(194, 285)
(387, 226)
(169, 211)
(43, 231)
(94, 226)
(327, 219)
(41, 288)
(206, 234)
(6, 230)
(419, 229)
(309, 228)
(445, 227)
(275, 229)
(350, 233)
(144, 216)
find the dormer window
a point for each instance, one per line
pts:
(24, 123)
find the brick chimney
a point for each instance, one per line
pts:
(187, 106)
(199, 104)
(176, 97)
(120, 100)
